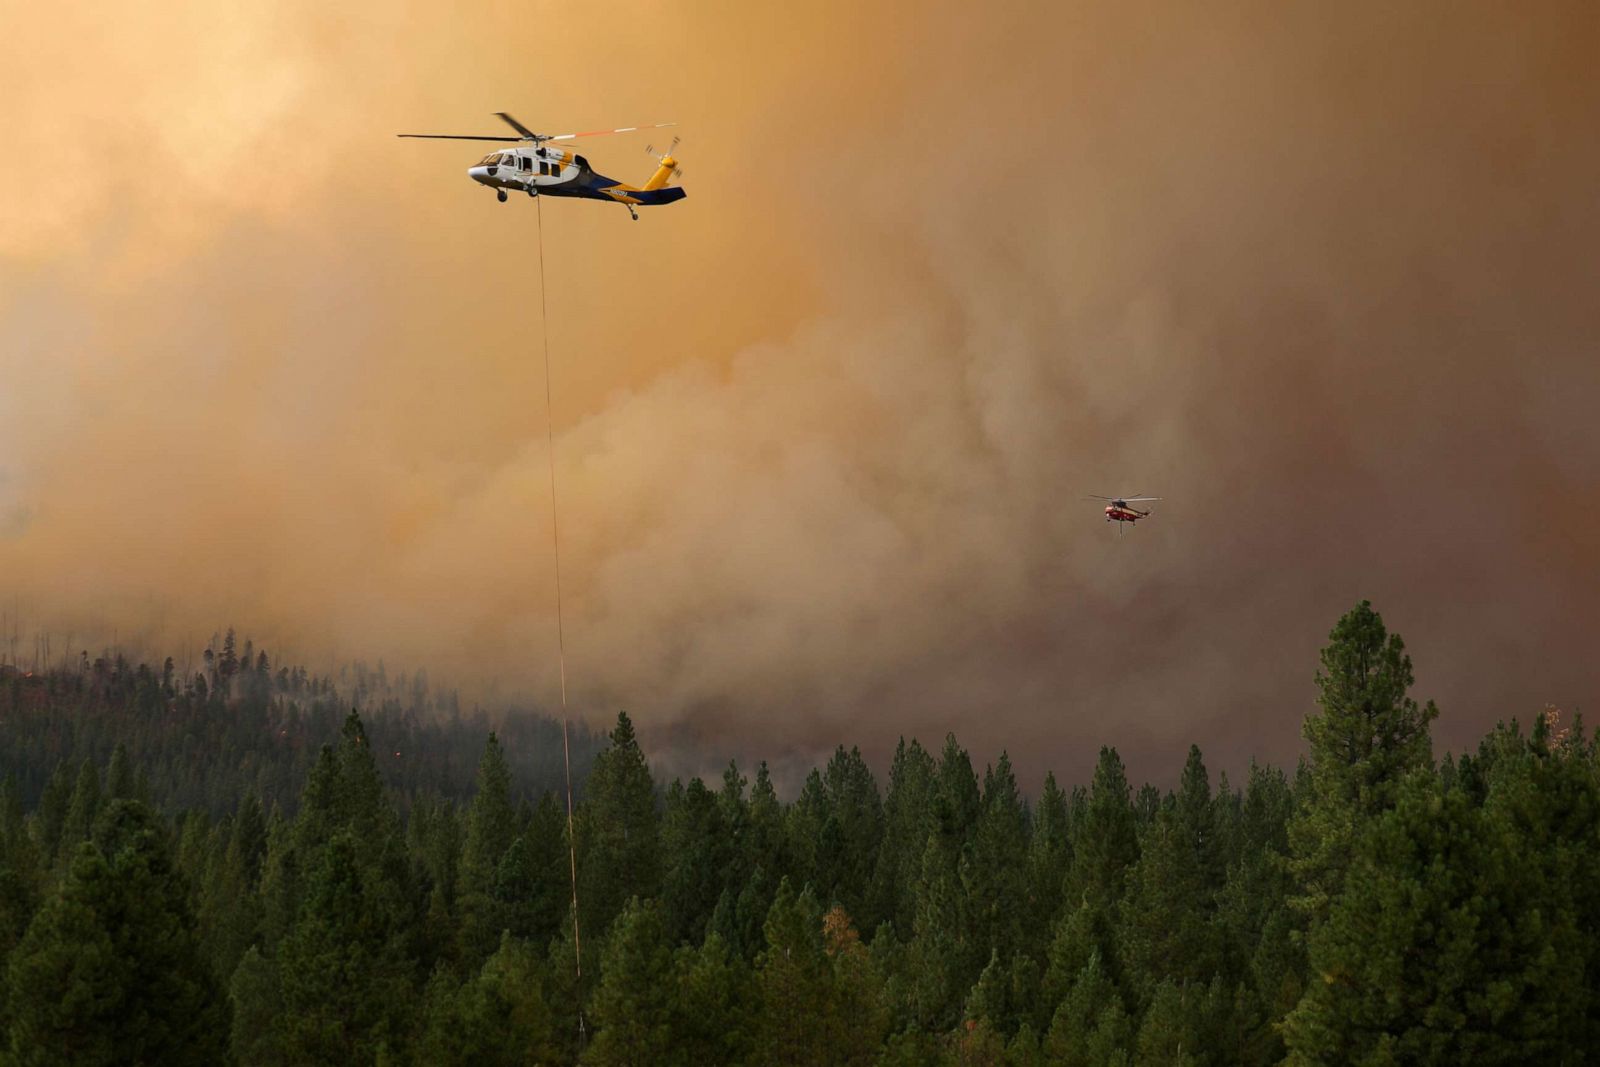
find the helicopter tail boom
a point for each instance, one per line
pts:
(655, 197)
(663, 174)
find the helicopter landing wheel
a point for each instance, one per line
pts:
(632, 213)
(500, 195)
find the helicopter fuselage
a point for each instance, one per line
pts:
(542, 171)
(1124, 513)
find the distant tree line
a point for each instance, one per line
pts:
(242, 726)
(1376, 907)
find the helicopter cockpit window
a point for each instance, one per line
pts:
(489, 160)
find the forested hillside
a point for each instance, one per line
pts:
(241, 726)
(176, 905)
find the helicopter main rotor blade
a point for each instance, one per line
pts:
(519, 127)
(620, 129)
(1139, 498)
(456, 137)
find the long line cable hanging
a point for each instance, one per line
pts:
(561, 639)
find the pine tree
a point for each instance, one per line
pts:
(907, 816)
(549, 864)
(66, 988)
(1545, 787)
(1197, 821)
(85, 806)
(856, 811)
(1166, 917)
(490, 830)
(1024, 1049)
(257, 1002)
(1083, 1012)
(110, 970)
(20, 877)
(1255, 923)
(942, 952)
(51, 819)
(1049, 859)
(119, 775)
(497, 1018)
(347, 927)
(1106, 841)
(812, 840)
(997, 878)
(695, 853)
(631, 1009)
(796, 983)
(619, 846)
(1086, 935)
(1437, 950)
(714, 1011)
(1367, 735)
(860, 1015)
(1169, 1036)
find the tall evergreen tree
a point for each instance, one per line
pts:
(618, 832)
(1367, 735)
(907, 817)
(20, 876)
(798, 994)
(85, 806)
(1167, 931)
(1437, 949)
(1106, 840)
(110, 970)
(497, 1018)
(632, 1006)
(856, 812)
(346, 930)
(1049, 859)
(714, 1010)
(695, 853)
(491, 827)
(996, 879)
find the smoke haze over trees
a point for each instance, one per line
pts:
(1379, 903)
(1321, 275)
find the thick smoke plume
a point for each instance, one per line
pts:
(1321, 276)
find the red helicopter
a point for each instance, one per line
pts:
(1118, 510)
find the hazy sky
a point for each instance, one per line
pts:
(1323, 276)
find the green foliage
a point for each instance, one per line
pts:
(1106, 841)
(109, 970)
(817, 987)
(1166, 918)
(491, 827)
(715, 1010)
(1367, 735)
(365, 907)
(907, 811)
(1442, 947)
(619, 842)
(696, 852)
(1091, 1006)
(632, 1007)
(1169, 1036)
(344, 979)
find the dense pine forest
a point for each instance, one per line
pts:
(237, 868)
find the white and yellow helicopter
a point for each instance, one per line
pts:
(543, 171)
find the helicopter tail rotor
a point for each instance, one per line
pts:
(665, 158)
